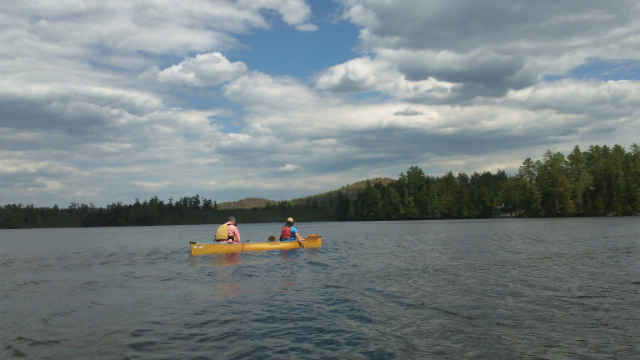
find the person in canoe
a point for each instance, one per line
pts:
(290, 233)
(228, 232)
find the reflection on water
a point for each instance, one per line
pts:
(215, 260)
(228, 289)
(506, 289)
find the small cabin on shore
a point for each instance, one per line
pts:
(503, 212)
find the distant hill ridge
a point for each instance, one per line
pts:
(350, 191)
(247, 203)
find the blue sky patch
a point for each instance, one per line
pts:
(603, 70)
(230, 126)
(284, 50)
(82, 164)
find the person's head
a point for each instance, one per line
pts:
(272, 238)
(232, 220)
(290, 221)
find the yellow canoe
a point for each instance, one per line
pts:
(203, 249)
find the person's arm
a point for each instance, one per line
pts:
(299, 239)
(238, 235)
(233, 230)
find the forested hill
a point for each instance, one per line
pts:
(247, 203)
(601, 181)
(350, 191)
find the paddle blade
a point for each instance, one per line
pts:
(312, 238)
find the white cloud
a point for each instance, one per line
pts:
(487, 48)
(365, 74)
(357, 75)
(307, 27)
(76, 121)
(372, 135)
(258, 90)
(151, 185)
(294, 12)
(288, 167)
(116, 33)
(203, 70)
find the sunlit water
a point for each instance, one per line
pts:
(499, 289)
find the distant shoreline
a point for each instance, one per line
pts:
(602, 181)
(328, 221)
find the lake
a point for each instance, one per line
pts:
(479, 289)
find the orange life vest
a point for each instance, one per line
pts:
(286, 232)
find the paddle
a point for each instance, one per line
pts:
(312, 238)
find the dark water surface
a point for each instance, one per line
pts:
(498, 289)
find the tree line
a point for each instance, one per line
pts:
(602, 181)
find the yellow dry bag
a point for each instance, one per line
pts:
(222, 233)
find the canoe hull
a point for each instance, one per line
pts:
(204, 249)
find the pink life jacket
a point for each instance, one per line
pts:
(286, 232)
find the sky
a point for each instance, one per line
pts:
(107, 101)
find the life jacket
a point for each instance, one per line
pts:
(223, 233)
(286, 232)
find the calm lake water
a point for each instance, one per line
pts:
(496, 289)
